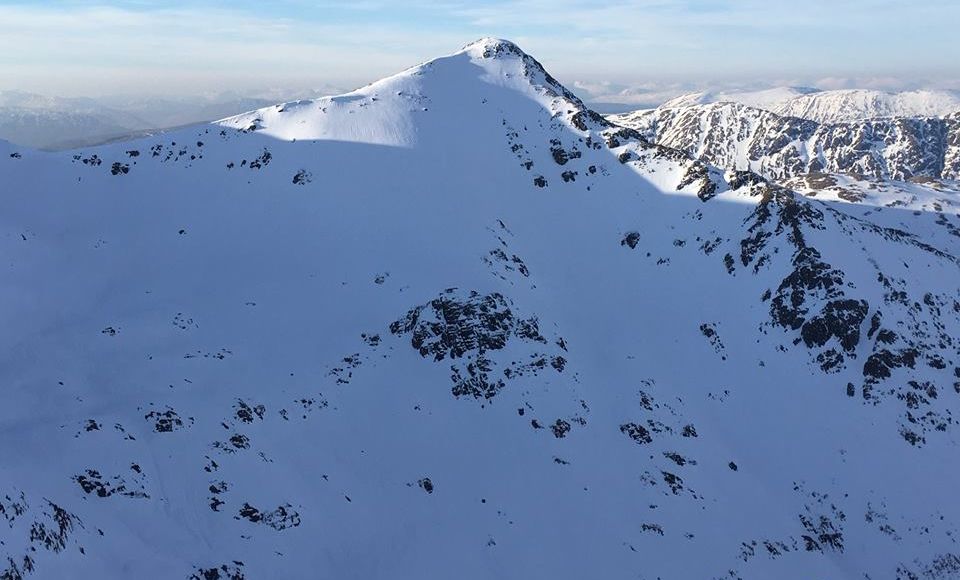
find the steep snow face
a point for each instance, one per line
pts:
(487, 335)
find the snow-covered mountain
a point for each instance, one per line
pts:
(834, 106)
(455, 324)
(38, 121)
(769, 99)
(844, 106)
(736, 136)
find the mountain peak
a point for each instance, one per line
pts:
(396, 109)
(490, 47)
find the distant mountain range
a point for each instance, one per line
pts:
(54, 123)
(787, 133)
(57, 123)
(836, 106)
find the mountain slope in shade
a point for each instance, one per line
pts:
(455, 324)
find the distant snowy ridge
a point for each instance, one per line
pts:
(769, 99)
(737, 136)
(57, 123)
(831, 106)
(844, 106)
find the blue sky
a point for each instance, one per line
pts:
(83, 47)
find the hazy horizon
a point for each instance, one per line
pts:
(638, 48)
(80, 72)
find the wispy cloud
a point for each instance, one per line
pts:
(113, 48)
(99, 46)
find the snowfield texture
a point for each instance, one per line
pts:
(456, 325)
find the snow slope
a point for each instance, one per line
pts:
(454, 324)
